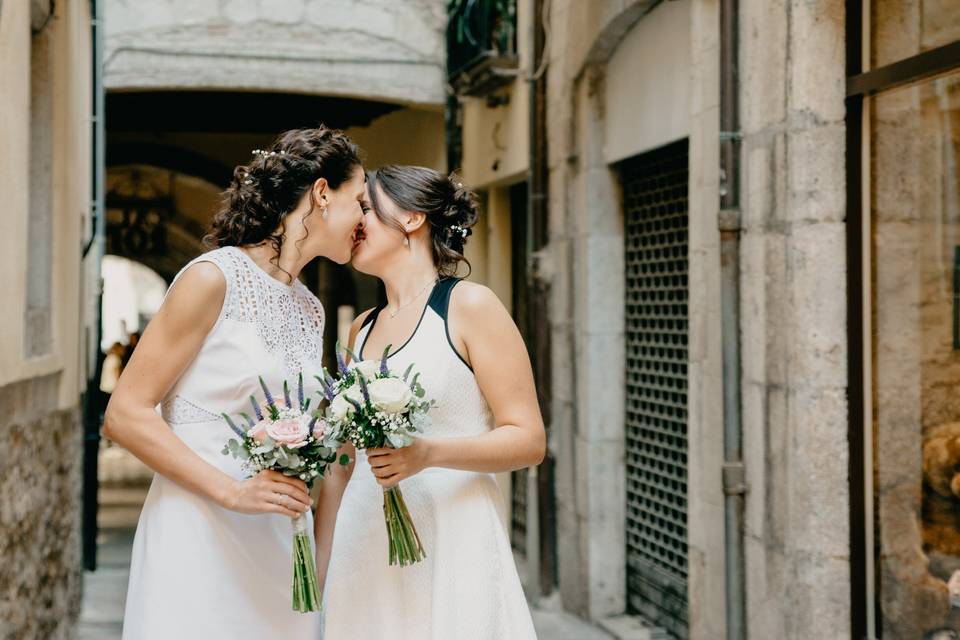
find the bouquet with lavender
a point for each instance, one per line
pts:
(285, 437)
(373, 407)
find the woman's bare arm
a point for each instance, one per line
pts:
(171, 341)
(490, 341)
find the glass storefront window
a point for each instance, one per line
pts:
(902, 29)
(915, 283)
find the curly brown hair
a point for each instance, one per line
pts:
(262, 193)
(451, 209)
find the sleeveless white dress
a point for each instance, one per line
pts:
(199, 571)
(467, 588)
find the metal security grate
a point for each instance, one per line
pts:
(656, 221)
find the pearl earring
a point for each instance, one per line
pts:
(323, 213)
(406, 241)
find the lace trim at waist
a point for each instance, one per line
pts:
(179, 410)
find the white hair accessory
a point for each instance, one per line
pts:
(463, 231)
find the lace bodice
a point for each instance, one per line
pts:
(288, 318)
(265, 328)
(188, 546)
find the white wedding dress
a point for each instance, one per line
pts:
(199, 571)
(467, 588)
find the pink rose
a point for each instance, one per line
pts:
(259, 431)
(291, 432)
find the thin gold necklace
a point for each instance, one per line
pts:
(393, 314)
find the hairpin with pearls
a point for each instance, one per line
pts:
(463, 231)
(267, 154)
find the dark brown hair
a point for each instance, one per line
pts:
(263, 192)
(451, 209)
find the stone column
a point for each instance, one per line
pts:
(705, 500)
(794, 312)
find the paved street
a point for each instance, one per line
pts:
(105, 589)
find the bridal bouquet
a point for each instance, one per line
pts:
(373, 407)
(285, 437)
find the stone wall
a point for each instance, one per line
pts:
(793, 309)
(585, 264)
(40, 432)
(380, 49)
(793, 316)
(40, 480)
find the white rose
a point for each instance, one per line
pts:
(390, 394)
(340, 407)
(368, 368)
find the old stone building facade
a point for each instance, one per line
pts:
(751, 273)
(727, 229)
(190, 90)
(45, 170)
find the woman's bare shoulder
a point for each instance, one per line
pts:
(197, 296)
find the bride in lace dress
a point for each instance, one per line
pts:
(211, 556)
(473, 363)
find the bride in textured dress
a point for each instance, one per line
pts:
(211, 556)
(474, 364)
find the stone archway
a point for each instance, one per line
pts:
(157, 216)
(382, 50)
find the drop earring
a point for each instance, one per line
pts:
(323, 213)
(406, 241)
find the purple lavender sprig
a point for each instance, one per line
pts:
(341, 363)
(326, 385)
(329, 378)
(267, 394)
(384, 371)
(364, 390)
(256, 408)
(286, 394)
(233, 425)
(303, 406)
(250, 423)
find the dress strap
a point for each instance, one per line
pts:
(364, 332)
(371, 317)
(440, 298)
(440, 303)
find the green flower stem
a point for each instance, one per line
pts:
(405, 547)
(306, 591)
(415, 542)
(403, 524)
